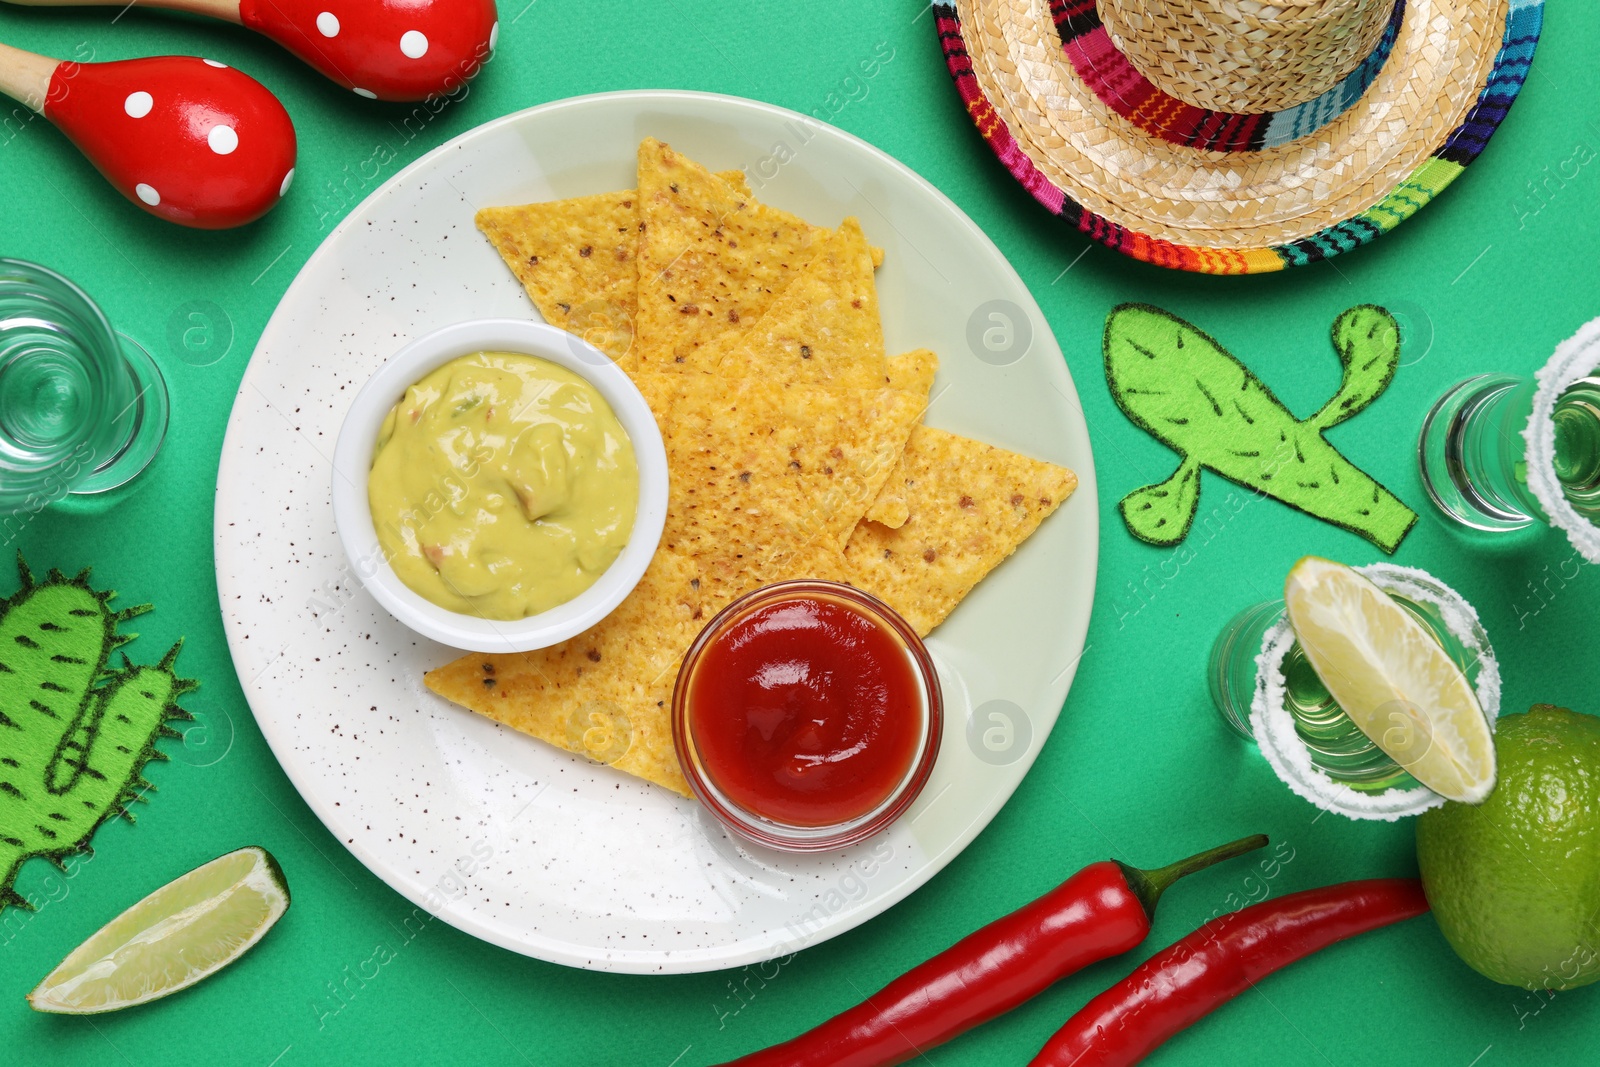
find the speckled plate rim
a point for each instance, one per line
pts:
(1073, 617)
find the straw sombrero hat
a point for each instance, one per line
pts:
(1237, 136)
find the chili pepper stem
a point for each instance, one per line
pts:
(1149, 885)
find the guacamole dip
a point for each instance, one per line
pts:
(502, 486)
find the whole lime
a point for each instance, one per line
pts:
(1515, 881)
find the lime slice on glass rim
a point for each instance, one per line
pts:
(189, 928)
(1392, 678)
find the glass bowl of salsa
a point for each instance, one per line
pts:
(807, 716)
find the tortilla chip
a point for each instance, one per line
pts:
(754, 461)
(577, 260)
(971, 505)
(891, 509)
(823, 328)
(605, 694)
(711, 259)
(911, 371)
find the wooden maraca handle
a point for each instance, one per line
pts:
(218, 9)
(25, 77)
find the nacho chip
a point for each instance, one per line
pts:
(971, 505)
(711, 259)
(891, 509)
(605, 694)
(577, 260)
(754, 461)
(823, 328)
(911, 371)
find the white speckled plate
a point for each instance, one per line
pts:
(508, 839)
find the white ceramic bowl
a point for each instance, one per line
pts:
(352, 460)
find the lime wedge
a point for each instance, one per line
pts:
(184, 931)
(1392, 678)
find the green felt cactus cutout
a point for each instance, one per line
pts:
(75, 734)
(1189, 393)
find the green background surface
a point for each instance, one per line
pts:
(1491, 277)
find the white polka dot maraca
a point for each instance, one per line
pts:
(189, 140)
(401, 50)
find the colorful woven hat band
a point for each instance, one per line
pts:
(1112, 76)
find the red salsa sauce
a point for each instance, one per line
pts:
(806, 711)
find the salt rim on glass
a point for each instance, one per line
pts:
(1274, 728)
(1575, 358)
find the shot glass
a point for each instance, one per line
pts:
(1499, 452)
(1266, 690)
(82, 408)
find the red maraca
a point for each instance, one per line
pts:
(381, 49)
(189, 140)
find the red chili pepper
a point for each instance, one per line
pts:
(1185, 981)
(1103, 910)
